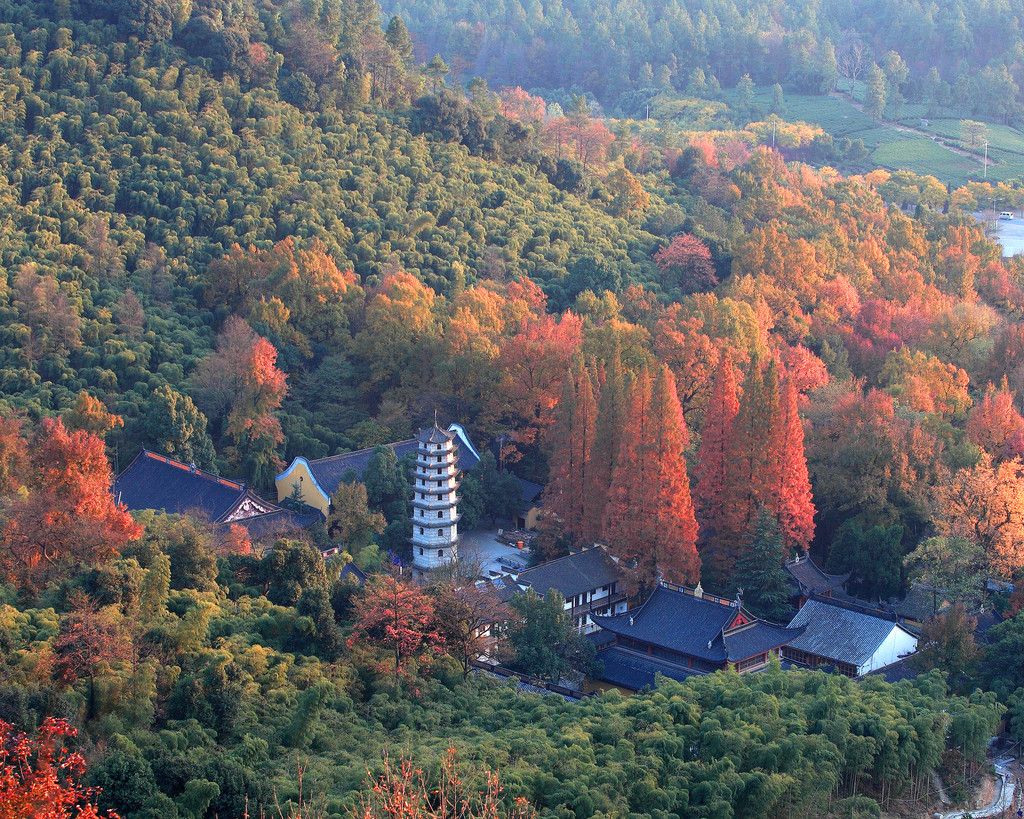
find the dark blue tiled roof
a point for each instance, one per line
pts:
(353, 571)
(529, 492)
(573, 574)
(896, 672)
(757, 638)
(153, 481)
(330, 471)
(277, 523)
(838, 632)
(629, 670)
(677, 621)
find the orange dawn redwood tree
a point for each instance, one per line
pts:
(649, 519)
(611, 417)
(713, 453)
(793, 504)
(750, 466)
(570, 441)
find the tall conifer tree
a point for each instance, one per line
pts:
(570, 441)
(611, 417)
(792, 503)
(649, 520)
(752, 464)
(712, 492)
(714, 445)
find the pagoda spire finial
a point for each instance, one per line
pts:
(435, 416)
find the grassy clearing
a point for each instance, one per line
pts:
(922, 156)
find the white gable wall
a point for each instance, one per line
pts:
(899, 643)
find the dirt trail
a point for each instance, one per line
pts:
(840, 95)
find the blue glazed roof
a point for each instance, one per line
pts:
(634, 671)
(695, 626)
(157, 482)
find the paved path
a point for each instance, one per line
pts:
(1002, 800)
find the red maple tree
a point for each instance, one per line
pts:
(995, 425)
(686, 263)
(39, 778)
(534, 363)
(396, 616)
(68, 513)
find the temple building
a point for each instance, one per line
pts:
(435, 512)
(163, 484)
(807, 580)
(849, 638)
(314, 481)
(680, 632)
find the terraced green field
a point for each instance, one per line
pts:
(895, 149)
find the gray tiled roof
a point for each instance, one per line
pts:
(277, 523)
(676, 621)
(434, 435)
(529, 492)
(573, 574)
(809, 579)
(839, 633)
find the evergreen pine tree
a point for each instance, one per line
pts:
(759, 572)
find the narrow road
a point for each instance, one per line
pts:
(1002, 800)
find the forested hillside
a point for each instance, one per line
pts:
(240, 232)
(966, 54)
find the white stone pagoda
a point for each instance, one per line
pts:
(435, 514)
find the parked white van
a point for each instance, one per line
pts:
(1006, 214)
